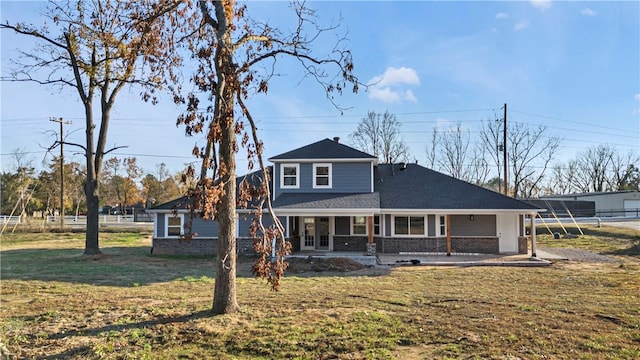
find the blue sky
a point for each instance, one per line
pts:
(572, 66)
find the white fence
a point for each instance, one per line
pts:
(6, 219)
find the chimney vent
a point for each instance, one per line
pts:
(403, 165)
(336, 139)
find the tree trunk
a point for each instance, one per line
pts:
(92, 246)
(224, 295)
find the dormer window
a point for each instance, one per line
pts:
(321, 176)
(290, 176)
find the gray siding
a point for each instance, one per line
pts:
(244, 223)
(431, 225)
(387, 225)
(350, 177)
(204, 228)
(481, 225)
(160, 225)
(342, 225)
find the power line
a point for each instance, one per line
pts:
(565, 120)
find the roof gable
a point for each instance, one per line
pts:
(324, 150)
(416, 187)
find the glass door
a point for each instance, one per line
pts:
(322, 233)
(308, 238)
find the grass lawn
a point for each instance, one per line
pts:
(128, 304)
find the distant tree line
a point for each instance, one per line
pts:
(530, 149)
(123, 183)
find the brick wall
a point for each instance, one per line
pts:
(350, 243)
(523, 244)
(198, 246)
(482, 245)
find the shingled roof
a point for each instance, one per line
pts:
(182, 203)
(324, 150)
(327, 201)
(416, 187)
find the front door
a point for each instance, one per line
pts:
(322, 233)
(507, 228)
(308, 238)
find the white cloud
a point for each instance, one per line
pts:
(389, 87)
(502, 16)
(541, 4)
(588, 12)
(408, 95)
(396, 76)
(521, 25)
(637, 97)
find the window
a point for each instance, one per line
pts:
(289, 176)
(174, 225)
(376, 225)
(321, 176)
(408, 225)
(443, 228)
(359, 225)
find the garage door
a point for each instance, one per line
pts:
(632, 208)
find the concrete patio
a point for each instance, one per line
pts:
(414, 259)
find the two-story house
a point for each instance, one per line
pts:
(331, 197)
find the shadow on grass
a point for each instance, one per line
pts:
(123, 266)
(118, 266)
(633, 251)
(98, 331)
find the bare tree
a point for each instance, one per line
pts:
(454, 150)
(96, 48)
(450, 152)
(624, 171)
(593, 167)
(561, 179)
(379, 135)
(529, 152)
(479, 168)
(432, 149)
(236, 57)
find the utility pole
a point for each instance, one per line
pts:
(504, 153)
(61, 122)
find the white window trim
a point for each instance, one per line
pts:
(297, 185)
(380, 221)
(424, 230)
(366, 226)
(438, 225)
(166, 225)
(315, 174)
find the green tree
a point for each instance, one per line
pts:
(119, 179)
(96, 48)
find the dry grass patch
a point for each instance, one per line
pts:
(132, 305)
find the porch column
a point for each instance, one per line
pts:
(447, 223)
(371, 246)
(533, 234)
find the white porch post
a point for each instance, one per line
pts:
(533, 234)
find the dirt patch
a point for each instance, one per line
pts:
(311, 264)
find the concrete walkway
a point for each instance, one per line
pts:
(523, 260)
(461, 260)
(542, 254)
